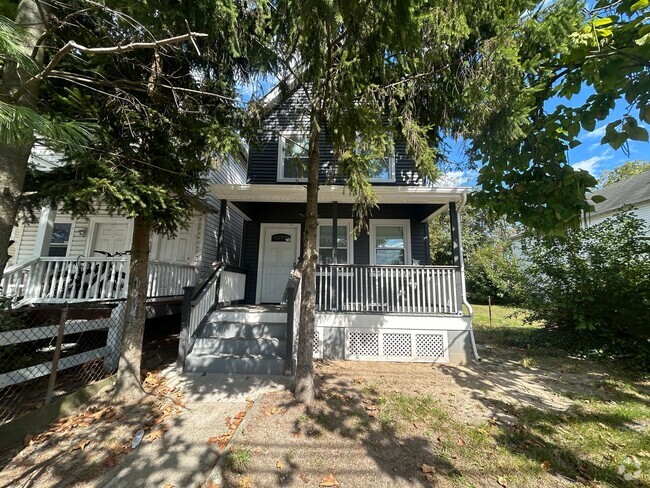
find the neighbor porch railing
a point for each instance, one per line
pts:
(389, 289)
(68, 279)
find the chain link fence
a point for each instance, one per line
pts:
(50, 351)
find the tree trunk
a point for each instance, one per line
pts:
(32, 15)
(129, 384)
(304, 387)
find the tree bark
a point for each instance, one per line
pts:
(129, 384)
(32, 15)
(305, 391)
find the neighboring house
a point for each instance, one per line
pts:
(633, 191)
(64, 259)
(378, 295)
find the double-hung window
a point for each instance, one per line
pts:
(381, 170)
(390, 242)
(293, 156)
(343, 240)
(59, 240)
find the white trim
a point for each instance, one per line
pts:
(93, 220)
(280, 166)
(392, 222)
(238, 211)
(347, 223)
(335, 193)
(260, 252)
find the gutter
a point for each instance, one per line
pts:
(462, 278)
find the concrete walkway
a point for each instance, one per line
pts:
(183, 458)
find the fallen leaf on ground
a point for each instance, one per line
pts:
(428, 469)
(279, 464)
(168, 485)
(212, 440)
(460, 441)
(110, 461)
(245, 482)
(82, 445)
(329, 481)
(546, 465)
(304, 478)
(502, 481)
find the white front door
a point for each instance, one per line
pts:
(110, 238)
(181, 249)
(280, 249)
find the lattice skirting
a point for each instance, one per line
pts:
(396, 345)
(318, 343)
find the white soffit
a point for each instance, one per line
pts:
(331, 193)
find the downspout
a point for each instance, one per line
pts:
(462, 277)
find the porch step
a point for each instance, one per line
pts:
(245, 330)
(234, 364)
(246, 317)
(264, 346)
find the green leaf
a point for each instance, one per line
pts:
(602, 22)
(637, 134)
(589, 124)
(574, 143)
(598, 198)
(644, 113)
(639, 5)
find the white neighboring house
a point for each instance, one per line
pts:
(634, 191)
(64, 259)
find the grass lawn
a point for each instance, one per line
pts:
(520, 418)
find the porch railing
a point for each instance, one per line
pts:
(169, 279)
(396, 289)
(69, 279)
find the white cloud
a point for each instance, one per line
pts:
(597, 133)
(593, 163)
(456, 178)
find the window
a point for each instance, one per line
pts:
(382, 169)
(389, 242)
(343, 239)
(293, 156)
(59, 240)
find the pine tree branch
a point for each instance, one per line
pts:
(71, 45)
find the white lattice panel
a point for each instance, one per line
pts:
(318, 344)
(429, 345)
(397, 345)
(365, 344)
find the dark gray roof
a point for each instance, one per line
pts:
(630, 191)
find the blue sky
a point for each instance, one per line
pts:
(591, 155)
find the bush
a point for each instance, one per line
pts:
(491, 271)
(594, 285)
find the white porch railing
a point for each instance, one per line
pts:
(389, 289)
(67, 279)
(169, 279)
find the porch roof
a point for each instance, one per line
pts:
(336, 193)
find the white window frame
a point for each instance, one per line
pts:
(281, 142)
(347, 223)
(61, 245)
(405, 223)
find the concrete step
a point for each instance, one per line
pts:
(234, 364)
(227, 329)
(247, 317)
(265, 346)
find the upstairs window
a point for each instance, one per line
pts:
(382, 170)
(59, 240)
(293, 156)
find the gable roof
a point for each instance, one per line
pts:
(631, 191)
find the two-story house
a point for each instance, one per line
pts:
(379, 296)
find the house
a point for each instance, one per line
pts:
(634, 191)
(378, 295)
(65, 259)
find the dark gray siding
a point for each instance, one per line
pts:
(231, 170)
(294, 213)
(292, 115)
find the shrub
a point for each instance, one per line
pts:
(595, 283)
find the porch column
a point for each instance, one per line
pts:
(222, 221)
(44, 233)
(456, 251)
(334, 253)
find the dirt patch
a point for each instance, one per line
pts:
(396, 424)
(78, 449)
